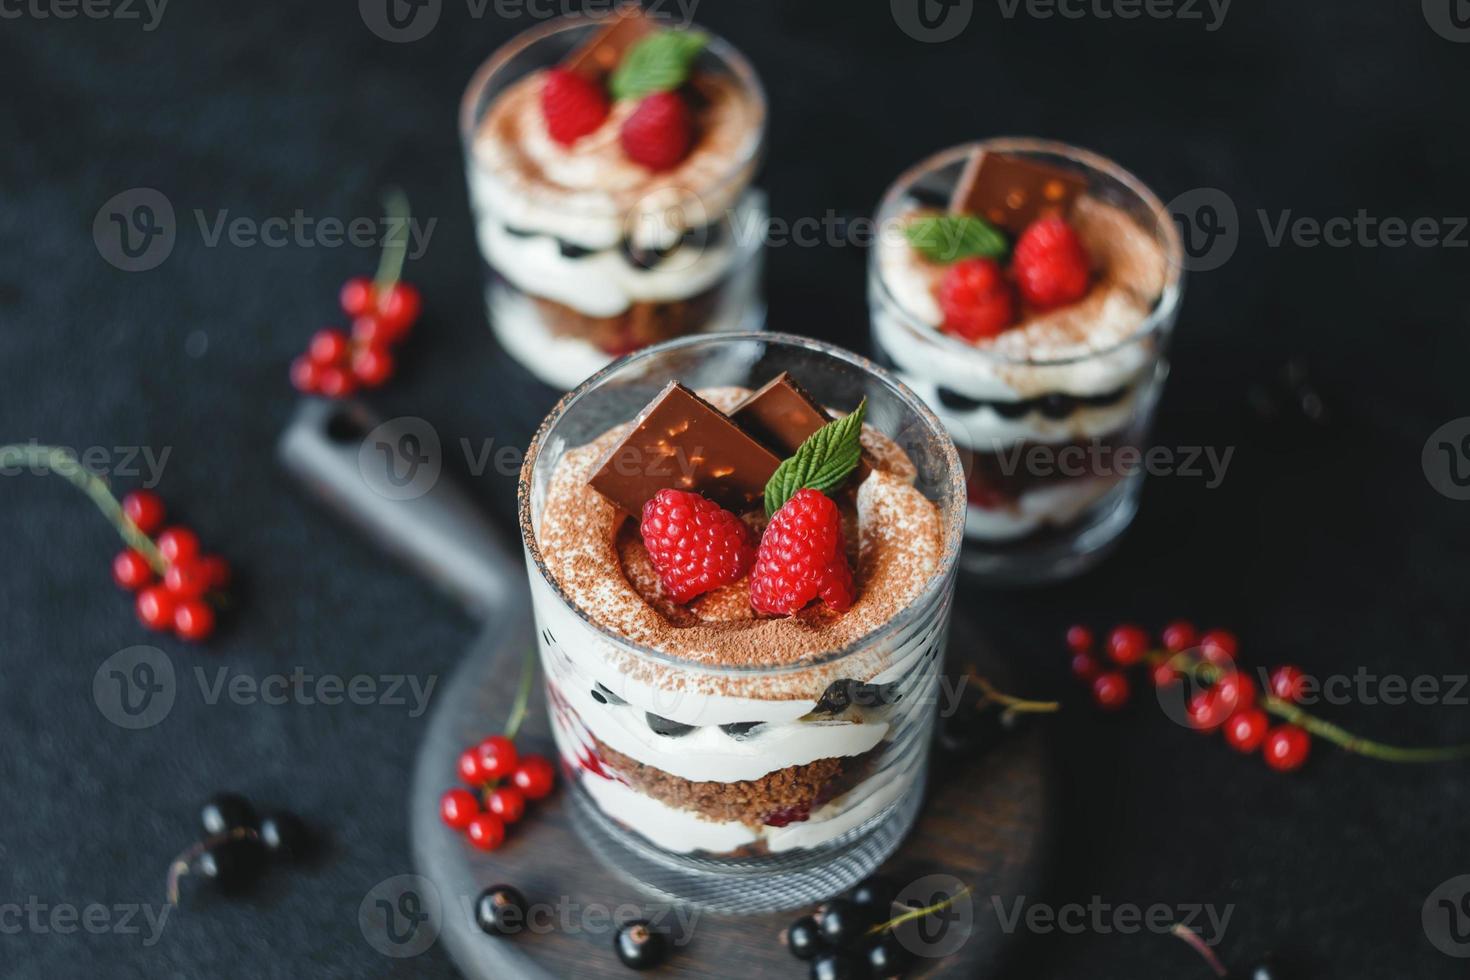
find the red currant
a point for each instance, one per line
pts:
(178, 544)
(1127, 645)
(131, 571)
(1110, 690)
(1287, 747)
(336, 383)
(305, 375)
(457, 807)
(216, 571)
(194, 620)
(1218, 645)
(145, 509)
(1085, 666)
(155, 607)
(486, 831)
(328, 346)
(497, 757)
(1288, 683)
(468, 766)
(369, 330)
(507, 803)
(1246, 730)
(534, 777)
(187, 579)
(1179, 635)
(358, 296)
(399, 308)
(1237, 691)
(1079, 639)
(1164, 674)
(1207, 712)
(372, 364)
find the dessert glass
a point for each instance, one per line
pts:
(1052, 436)
(779, 785)
(604, 257)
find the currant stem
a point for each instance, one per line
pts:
(1200, 946)
(184, 863)
(912, 914)
(1346, 740)
(1336, 734)
(523, 694)
(61, 462)
(395, 248)
(989, 694)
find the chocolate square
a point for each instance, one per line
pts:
(682, 442)
(1011, 192)
(626, 26)
(782, 415)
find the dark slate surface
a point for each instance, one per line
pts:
(1324, 544)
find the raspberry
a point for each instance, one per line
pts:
(571, 105)
(1050, 265)
(695, 544)
(976, 300)
(659, 131)
(802, 557)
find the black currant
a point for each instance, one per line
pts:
(838, 965)
(500, 910)
(887, 957)
(639, 947)
(740, 730)
(225, 812)
(285, 836)
(875, 898)
(1266, 969)
(232, 864)
(804, 939)
(842, 923)
(667, 726)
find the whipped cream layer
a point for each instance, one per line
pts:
(1084, 337)
(563, 362)
(733, 667)
(987, 429)
(1055, 505)
(590, 193)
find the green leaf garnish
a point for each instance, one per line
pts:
(823, 462)
(658, 63)
(951, 237)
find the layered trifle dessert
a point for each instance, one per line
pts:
(1026, 290)
(610, 163)
(742, 595)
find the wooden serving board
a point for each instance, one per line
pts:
(983, 824)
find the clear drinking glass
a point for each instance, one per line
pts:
(1052, 441)
(849, 754)
(602, 257)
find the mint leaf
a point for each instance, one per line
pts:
(823, 462)
(951, 237)
(658, 63)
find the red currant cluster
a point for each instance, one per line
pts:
(181, 600)
(504, 783)
(1226, 697)
(336, 364)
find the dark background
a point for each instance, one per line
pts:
(1325, 545)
